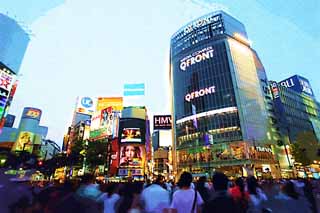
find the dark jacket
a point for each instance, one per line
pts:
(220, 202)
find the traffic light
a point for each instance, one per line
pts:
(40, 163)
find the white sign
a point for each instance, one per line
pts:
(263, 149)
(196, 57)
(199, 93)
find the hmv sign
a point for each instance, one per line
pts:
(162, 122)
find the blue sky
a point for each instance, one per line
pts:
(93, 47)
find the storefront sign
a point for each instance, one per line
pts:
(199, 93)
(263, 149)
(162, 122)
(196, 57)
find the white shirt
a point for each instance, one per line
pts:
(156, 198)
(109, 202)
(183, 200)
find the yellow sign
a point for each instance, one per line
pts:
(115, 102)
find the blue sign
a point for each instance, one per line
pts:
(298, 84)
(86, 102)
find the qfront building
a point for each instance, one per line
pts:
(220, 117)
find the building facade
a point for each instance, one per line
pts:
(13, 44)
(220, 117)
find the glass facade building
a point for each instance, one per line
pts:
(220, 117)
(13, 43)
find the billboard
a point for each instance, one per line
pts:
(132, 156)
(85, 105)
(162, 122)
(24, 142)
(298, 84)
(104, 102)
(113, 157)
(95, 121)
(31, 113)
(131, 135)
(110, 121)
(7, 79)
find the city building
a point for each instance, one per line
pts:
(49, 149)
(296, 111)
(13, 44)
(134, 143)
(28, 136)
(220, 116)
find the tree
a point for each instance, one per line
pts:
(305, 148)
(96, 153)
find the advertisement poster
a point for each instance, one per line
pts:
(131, 135)
(109, 121)
(113, 158)
(24, 142)
(132, 156)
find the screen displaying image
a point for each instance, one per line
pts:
(131, 156)
(131, 135)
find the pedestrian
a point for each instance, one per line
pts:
(186, 199)
(239, 195)
(203, 189)
(130, 200)
(155, 197)
(256, 196)
(109, 198)
(220, 200)
(290, 201)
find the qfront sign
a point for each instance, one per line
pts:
(200, 93)
(162, 122)
(196, 57)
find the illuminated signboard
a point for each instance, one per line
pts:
(199, 93)
(24, 142)
(132, 156)
(200, 22)
(31, 113)
(275, 90)
(85, 105)
(196, 57)
(299, 84)
(162, 122)
(131, 135)
(104, 102)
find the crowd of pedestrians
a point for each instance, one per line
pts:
(220, 194)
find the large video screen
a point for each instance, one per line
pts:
(132, 156)
(131, 135)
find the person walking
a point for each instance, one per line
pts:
(109, 198)
(256, 196)
(155, 197)
(186, 199)
(203, 189)
(220, 200)
(239, 195)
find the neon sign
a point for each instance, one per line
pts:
(199, 93)
(196, 57)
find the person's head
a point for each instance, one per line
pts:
(240, 183)
(289, 190)
(201, 182)
(185, 180)
(252, 185)
(220, 181)
(159, 180)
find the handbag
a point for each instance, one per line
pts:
(194, 201)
